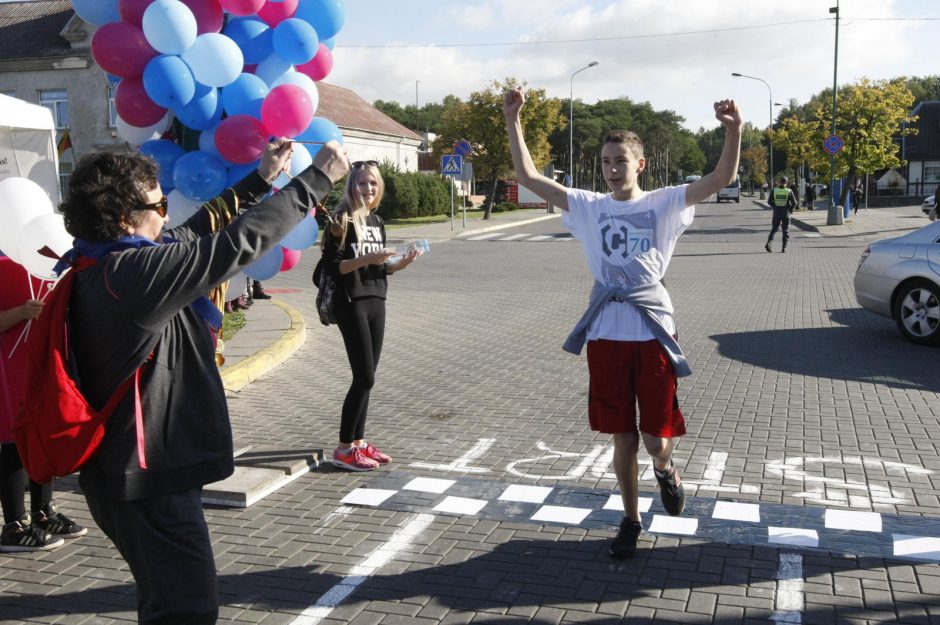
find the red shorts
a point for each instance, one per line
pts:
(624, 374)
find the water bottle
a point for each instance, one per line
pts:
(422, 246)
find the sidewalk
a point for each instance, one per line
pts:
(275, 330)
(868, 222)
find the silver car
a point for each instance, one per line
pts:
(900, 278)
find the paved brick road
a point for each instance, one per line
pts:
(799, 400)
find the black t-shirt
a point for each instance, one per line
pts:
(368, 281)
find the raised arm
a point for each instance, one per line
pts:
(727, 112)
(528, 176)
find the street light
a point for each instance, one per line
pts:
(571, 124)
(771, 109)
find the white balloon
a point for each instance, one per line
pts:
(135, 135)
(21, 201)
(180, 208)
(43, 231)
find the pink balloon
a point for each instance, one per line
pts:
(242, 7)
(319, 66)
(241, 139)
(121, 49)
(291, 258)
(134, 105)
(208, 14)
(132, 11)
(287, 110)
(276, 12)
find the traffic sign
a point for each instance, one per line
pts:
(462, 148)
(451, 164)
(833, 144)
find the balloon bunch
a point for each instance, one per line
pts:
(237, 79)
(29, 225)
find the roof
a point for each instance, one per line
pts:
(925, 145)
(32, 29)
(347, 110)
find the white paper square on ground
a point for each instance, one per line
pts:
(684, 526)
(367, 496)
(792, 536)
(851, 520)
(925, 547)
(734, 511)
(615, 502)
(429, 485)
(561, 514)
(525, 494)
(460, 505)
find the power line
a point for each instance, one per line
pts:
(629, 37)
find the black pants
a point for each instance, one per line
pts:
(13, 481)
(362, 324)
(165, 542)
(781, 220)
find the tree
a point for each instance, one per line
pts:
(754, 160)
(480, 121)
(429, 117)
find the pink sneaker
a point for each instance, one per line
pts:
(369, 451)
(353, 460)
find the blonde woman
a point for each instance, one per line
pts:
(354, 253)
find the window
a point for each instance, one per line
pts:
(57, 101)
(112, 110)
(931, 171)
(65, 170)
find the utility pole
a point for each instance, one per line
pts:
(835, 87)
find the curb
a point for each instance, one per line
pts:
(243, 373)
(503, 226)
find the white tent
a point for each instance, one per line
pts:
(27, 145)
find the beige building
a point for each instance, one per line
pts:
(45, 58)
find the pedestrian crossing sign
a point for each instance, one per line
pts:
(451, 164)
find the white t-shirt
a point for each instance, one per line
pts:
(627, 243)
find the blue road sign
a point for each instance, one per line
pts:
(451, 164)
(833, 144)
(462, 148)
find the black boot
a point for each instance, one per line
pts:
(783, 250)
(257, 292)
(767, 246)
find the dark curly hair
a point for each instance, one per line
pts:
(104, 191)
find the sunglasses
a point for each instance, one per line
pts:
(159, 206)
(358, 164)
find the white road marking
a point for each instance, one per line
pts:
(789, 598)
(399, 541)
(515, 236)
(461, 463)
(483, 237)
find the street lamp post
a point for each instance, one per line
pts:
(771, 109)
(571, 124)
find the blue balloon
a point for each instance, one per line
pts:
(267, 266)
(215, 59)
(169, 26)
(326, 16)
(272, 68)
(253, 36)
(244, 96)
(165, 153)
(295, 41)
(199, 175)
(303, 234)
(97, 12)
(237, 173)
(330, 42)
(321, 130)
(204, 111)
(207, 142)
(168, 81)
(299, 161)
(112, 79)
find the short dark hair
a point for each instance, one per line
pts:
(631, 139)
(105, 190)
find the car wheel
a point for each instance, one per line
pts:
(917, 312)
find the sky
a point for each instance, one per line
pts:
(676, 54)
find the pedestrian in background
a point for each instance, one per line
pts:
(355, 255)
(628, 237)
(858, 194)
(783, 202)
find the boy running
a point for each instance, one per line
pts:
(628, 236)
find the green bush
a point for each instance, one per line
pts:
(413, 194)
(505, 207)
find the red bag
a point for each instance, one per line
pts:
(56, 430)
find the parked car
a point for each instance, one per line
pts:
(930, 204)
(900, 278)
(731, 192)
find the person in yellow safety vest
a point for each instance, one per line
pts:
(783, 202)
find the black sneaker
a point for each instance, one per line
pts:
(257, 292)
(58, 524)
(670, 489)
(767, 247)
(21, 536)
(624, 544)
